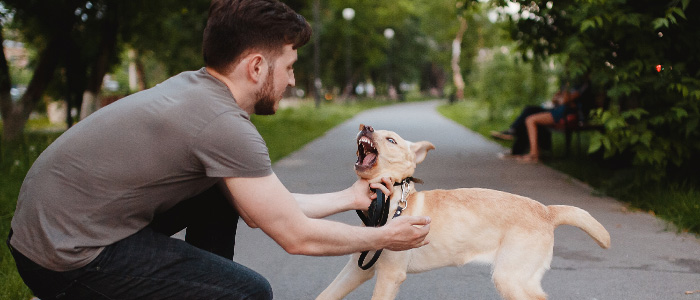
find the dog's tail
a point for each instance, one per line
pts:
(574, 216)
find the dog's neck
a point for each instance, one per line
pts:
(398, 191)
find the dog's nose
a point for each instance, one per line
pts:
(369, 128)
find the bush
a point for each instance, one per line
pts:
(642, 53)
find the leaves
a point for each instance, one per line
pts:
(640, 55)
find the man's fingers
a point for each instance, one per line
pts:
(412, 232)
(388, 183)
(418, 220)
(380, 186)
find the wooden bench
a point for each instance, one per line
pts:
(572, 125)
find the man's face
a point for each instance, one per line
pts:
(280, 76)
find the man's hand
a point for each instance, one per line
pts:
(364, 195)
(407, 232)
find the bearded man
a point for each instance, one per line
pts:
(97, 209)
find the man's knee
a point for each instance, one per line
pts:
(258, 288)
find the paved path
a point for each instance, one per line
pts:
(645, 261)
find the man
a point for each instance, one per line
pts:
(96, 209)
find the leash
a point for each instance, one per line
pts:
(378, 215)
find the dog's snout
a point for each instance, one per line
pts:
(366, 128)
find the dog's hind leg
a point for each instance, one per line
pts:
(347, 280)
(520, 265)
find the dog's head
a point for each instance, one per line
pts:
(382, 153)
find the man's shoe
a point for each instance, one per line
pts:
(503, 135)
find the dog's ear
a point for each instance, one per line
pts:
(421, 150)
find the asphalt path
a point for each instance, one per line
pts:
(647, 260)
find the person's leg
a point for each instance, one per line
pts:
(517, 129)
(519, 124)
(539, 119)
(150, 265)
(520, 143)
(210, 219)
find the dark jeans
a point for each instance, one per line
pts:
(151, 265)
(521, 143)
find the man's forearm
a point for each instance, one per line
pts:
(329, 238)
(322, 205)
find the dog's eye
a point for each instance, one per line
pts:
(391, 140)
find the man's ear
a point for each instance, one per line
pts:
(421, 150)
(255, 65)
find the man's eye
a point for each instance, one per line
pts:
(391, 140)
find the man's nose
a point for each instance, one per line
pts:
(292, 81)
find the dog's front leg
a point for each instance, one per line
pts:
(348, 280)
(391, 272)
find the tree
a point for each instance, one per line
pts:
(84, 38)
(50, 36)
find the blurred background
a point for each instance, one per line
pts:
(487, 59)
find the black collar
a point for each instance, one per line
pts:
(409, 180)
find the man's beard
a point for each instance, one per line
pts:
(265, 104)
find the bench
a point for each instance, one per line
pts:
(575, 127)
(572, 125)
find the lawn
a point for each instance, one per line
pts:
(285, 132)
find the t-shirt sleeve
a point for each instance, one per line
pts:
(230, 146)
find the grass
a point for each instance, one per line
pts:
(676, 202)
(285, 132)
(15, 160)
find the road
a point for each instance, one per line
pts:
(647, 260)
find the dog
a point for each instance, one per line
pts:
(513, 233)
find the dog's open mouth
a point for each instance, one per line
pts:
(366, 153)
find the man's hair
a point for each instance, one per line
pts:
(237, 26)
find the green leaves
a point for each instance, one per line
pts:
(641, 57)
(670, 17)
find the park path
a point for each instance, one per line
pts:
(646, 260)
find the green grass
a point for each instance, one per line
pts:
(285, 132)
(676, 202)
(15, 160)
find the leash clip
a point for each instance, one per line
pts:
(403, 202)
(405, 189)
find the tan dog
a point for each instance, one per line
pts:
(513, 233)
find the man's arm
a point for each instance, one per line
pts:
(358, 196)
(266, 203)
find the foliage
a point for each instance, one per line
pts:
(418, 53)
(373, 57)
(504, 82)
(654, 115)
(168, 33)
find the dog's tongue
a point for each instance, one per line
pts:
(368, 159)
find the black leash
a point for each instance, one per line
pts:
(378, 215)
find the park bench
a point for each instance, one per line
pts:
(578, 122)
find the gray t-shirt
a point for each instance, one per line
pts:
(105, 178)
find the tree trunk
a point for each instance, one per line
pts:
(106, 49)
(6, 105)
(75, 79)
(16, 114)
(137, 78)
(456, 53)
